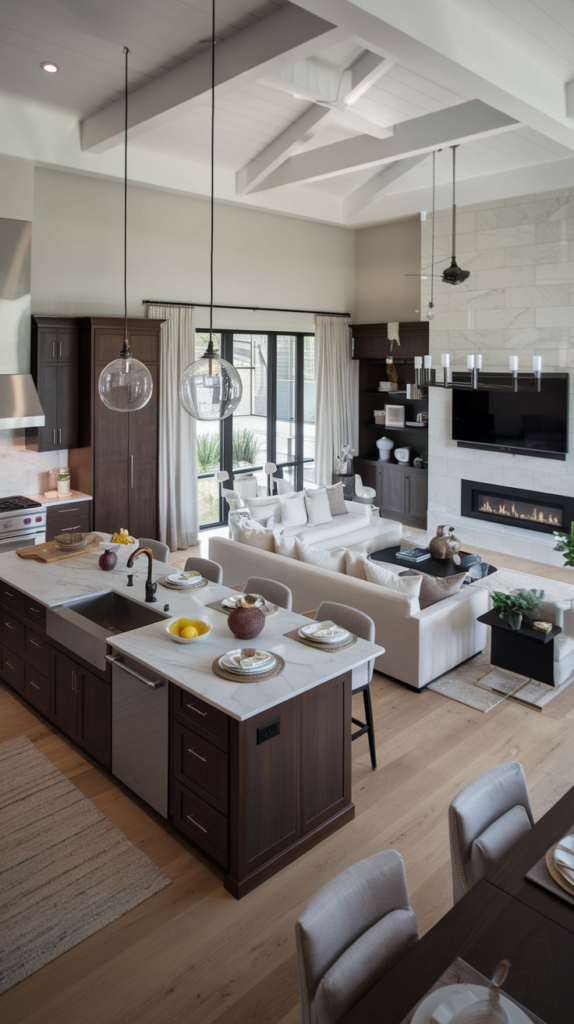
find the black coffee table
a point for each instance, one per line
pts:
(435, 566)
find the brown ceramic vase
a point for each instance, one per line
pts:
(246, 623)
(108, 560)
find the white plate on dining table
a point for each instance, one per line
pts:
(266, 606)
(425, 1010)
(185, 579)
(263, 661)
(324, 632)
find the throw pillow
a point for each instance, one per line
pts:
(355, 564)
(333, 560)
(436, 588)
(257, 536)
(261, 509)
(376, 573)
(286, 546)
(293, 510)
(318, 508)
(336, 496)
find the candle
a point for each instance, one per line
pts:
(470, 362)
(537, 364)
(445, 360)
(479, 362)
(428, 362)
(513, 364)
(418, 362)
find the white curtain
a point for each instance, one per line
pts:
(178, 494)
(336, 387)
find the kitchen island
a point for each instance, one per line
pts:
(258, 772)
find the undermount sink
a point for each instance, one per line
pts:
(83, 625)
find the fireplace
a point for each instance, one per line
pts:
(512, 506)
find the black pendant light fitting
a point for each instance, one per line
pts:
(454, 274)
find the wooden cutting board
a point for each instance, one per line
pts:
(50, 552)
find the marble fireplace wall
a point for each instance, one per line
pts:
(519, 300)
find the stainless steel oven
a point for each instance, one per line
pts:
(22, 523)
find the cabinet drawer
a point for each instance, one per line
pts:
(37, 688)
(201, 823)
(202, 766)
(70, 522)
(37, 651)
(14, 670)
(13, 633)
(12, 598)
(204, 719)
(35, 612)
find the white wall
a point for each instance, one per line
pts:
(385, 254)
(519, 300)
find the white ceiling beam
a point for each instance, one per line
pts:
(367, 70)
(570, 98)
(454, 125)
(283, 37)
(288, 142)
(368, 193)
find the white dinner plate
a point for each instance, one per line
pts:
(266, 607)
(185, 579)
(333, 634)
(231, 661)
(424, 1012)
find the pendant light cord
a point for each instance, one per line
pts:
(432, 241)
(212, 170)
(126, 345)
(454, 149)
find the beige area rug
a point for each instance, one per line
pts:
(65, 870)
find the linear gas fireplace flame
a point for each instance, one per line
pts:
(513, 506)
(511, 509)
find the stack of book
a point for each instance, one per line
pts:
(414, 555)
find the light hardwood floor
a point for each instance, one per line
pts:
(192, 954)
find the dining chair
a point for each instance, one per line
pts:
(209, 569)
(364, 627)
(158, 549)
(485, 820)
(352, 931)
(270, 590)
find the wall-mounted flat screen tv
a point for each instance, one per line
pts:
(526, 422)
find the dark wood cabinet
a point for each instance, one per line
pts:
(81, 705)
(54, 357)
(402, 491)
(68, 517)
(63, 692)
(370, 341)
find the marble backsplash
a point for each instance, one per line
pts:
(23, 471)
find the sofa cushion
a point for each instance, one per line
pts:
(333, 560)
(317, 505)
(436, 588)
(256, 535)
(286, 546)
(293, 509)
(336, 498)
(355, 565)
(410, 585)
(261, 509)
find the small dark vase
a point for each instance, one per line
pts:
(246, 623)
(108, 560)
(514, 620)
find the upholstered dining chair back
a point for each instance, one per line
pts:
(158, 549)
(270, 590)
(356, 622)
(209, 569)
(352, 931)
(485, 820)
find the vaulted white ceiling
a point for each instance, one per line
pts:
(329, 109)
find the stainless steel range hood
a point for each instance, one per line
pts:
(19, 402)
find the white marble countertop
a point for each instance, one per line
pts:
(58, 499)
(188, 665)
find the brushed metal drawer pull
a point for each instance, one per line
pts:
(194, 822)
(66, 511)
(9, 625)
(197, 711)
(13, 667)
(36, 642)
(9, 593)
(191, 751)
(70, 528)
(36, 610)
(35, 685)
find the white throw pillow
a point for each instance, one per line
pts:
(286, 546)
(356, 564)
(293, 510)
(257, 536)
(408, 585)
(261, 509)
(333, 560)
(317, 505)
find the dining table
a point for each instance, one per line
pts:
(503, 916)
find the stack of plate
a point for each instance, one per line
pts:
(564, 858)
(247, 662)
(388, 385)
(324, 632)
(185, 579)
(266, 607)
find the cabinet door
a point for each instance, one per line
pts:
(370, 341)
(63, 691)
(417, 495)
(67, 345)
(14, 670)
(392, 489)
(47, 384)
(67, 435)
(95, 716)
(142, 518)
(47, 345)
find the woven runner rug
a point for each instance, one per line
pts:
(65, 870)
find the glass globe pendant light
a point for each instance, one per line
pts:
(125, 384)
(211, 387)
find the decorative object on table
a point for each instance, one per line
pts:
(488, 1010)
(445, 545)
(363, 494)
(393, 334)
(394, 415)
(419, 462)
(108, 559)
(122, 537)
(125, 384)
(219, 668)
(187, 631)
(542, 627)
(403, 455)
(454, 274)
(64, 485)
(385, 446)
(344, 462)
(246, 620)
(71, 541)
(229, 603)
(50, 552)
(414, 554)
(565, 543)
(52, 482)
(388, 385)
(392, 372)
(511, 606)
(379, 415)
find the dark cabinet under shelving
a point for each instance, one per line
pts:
(401, 490)
(54, 357)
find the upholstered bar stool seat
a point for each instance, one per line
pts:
(270, 590)
(209, 569)
(158, 549)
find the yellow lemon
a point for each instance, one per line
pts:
(188, 632)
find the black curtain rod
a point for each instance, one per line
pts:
(254, 309)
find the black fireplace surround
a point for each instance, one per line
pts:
(511, 506)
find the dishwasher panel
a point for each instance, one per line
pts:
(140, 731)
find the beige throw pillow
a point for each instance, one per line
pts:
(377, 573)
(257, 536)
(336, 497)
(286, 546)
(317, 505)
(333, 560)
(435, 588)
(355, 564)
(293, 509)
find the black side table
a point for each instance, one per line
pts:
(525, 651)
(348, 481)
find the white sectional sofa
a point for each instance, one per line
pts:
(419, 645)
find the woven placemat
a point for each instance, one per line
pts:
(461, 973)
(256, 677)
(545, 874)
(294, 635)
(182, 590)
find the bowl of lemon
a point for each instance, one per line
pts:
(187, 631)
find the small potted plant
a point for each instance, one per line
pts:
(565, 543)
(512, 606)
(64, 480)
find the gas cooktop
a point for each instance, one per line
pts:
(16, 503)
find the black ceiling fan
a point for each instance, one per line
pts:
(454, 274)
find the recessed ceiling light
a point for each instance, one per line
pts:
(49, 67)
